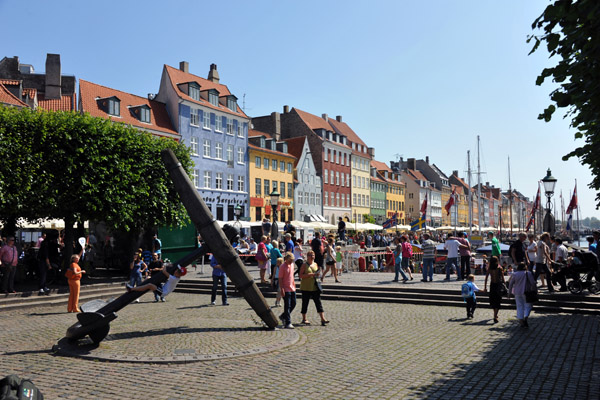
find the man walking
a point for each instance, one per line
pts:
(428, 248)
(452, 245)
(517, 250)
(341, 229)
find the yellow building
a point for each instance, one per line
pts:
(270, 168)
(395, 196)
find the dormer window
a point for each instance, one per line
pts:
(262, 142)
(142, 113)
(232, 103)
(284, 148)
(213, 97)
(114, 106)
(194, 91)
(273, 145)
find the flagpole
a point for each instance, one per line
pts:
(578, 226)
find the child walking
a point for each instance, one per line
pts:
(338, 260)
(167, 287)
(468, 290)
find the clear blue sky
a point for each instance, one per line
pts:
(411, 78)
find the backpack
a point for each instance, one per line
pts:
(466, 290)
(14, 388)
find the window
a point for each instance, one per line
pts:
(231, 103)
(325, 198)
(230, 152)
(219, 180)
(242, 184)
(229, 123)
(267, 187)
(218, 123)
(257, 162)
(326, 176)
(240, 129)
(114, 106)
(206, 119)
(347, 180)
(282, 166)
(213, 98)
(262, 142)
(289, 167)
(194, 145)
(194, 91)
(274, 165)
(337, 178)
(229, 181)
(207, 179)
(312, 199)
(196, 178)
(194, 116)
(144, 114)
(332, 177)
(282, 189)
(326, 154)
(266, 163)
(240, 155)
(354, 198)
(257, 186)
(206, 147)
(274, 185)
(332, 199)
(337, 197)
(219, 151)
(290, 190)
(337, 157)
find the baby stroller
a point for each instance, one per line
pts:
(583, 270)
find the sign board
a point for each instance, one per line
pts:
(476, 240)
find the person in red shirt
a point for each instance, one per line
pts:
(287, 288)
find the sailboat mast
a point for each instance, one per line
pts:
(510, 194)
(478, 188)
(470, 194)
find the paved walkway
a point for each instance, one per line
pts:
(370, 350)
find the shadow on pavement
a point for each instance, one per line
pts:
(177, 330)
(556, 357)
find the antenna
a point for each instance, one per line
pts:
(398, 157)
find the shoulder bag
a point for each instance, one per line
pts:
(531, 293)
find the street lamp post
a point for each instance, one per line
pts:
(274, 202)
(237, 211)
(549, 183)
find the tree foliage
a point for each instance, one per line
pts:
(75, 167)
(571, 31)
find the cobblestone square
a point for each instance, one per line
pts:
(370, 350)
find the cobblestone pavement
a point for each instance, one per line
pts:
(370, 350)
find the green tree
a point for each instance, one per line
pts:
(78, 168)
(571, 31)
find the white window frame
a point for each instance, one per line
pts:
(194, 145)
(229, 152)
(206, 120)
(241, 187)
(196, 178)
(206, 148)
(230, 182)
(240, 155)
(219, 151)
(194, 116)
(218, 123)
(325, 175)
(240, 129)
(229, 123)
(207, 179)
(219, 180)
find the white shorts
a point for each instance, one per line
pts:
(338, 264)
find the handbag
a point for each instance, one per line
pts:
(531, 293)
(318, 285)
(503, 290)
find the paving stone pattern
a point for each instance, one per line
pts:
(370, 350)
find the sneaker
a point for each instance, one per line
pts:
(423, 280)
(41, 292)
(212, 303)
(289, 326)
(128, 287)
(163, 299)
(225, 304)
(137, 300)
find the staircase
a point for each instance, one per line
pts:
(549, 303)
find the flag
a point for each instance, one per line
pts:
(391, 222)
(536, 205)
(418, 224)
(424, 205)
(573, 203)
(569, 222)
(450, 202)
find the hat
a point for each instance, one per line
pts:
(182, 270)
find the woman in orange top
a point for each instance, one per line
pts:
(74, 274)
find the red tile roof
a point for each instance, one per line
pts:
(6, 97)
(380, 166)
(65, 103)
(417, 175)
(313, 121)
(255, 133)
(159, 118)
(178, 77)
(10, 82)
(31, 92)
(343, 129)
(295, 147)
(279, 153)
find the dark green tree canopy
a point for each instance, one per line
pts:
(77, 168)
(571, 31)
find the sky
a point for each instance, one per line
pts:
(412, 79)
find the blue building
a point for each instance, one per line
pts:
(215, 128)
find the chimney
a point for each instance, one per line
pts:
(184, 66)
(276, 117)
(487, 184)
(371, 151)
(53, 79)
(411, 163)
(325, 117)
(427, 159)
(455, 173)
(286, 109)
(213, 75)
(338, 118)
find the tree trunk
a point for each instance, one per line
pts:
(69, 238)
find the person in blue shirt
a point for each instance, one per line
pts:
(274, 254)
(468, 290)
(218, 275)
